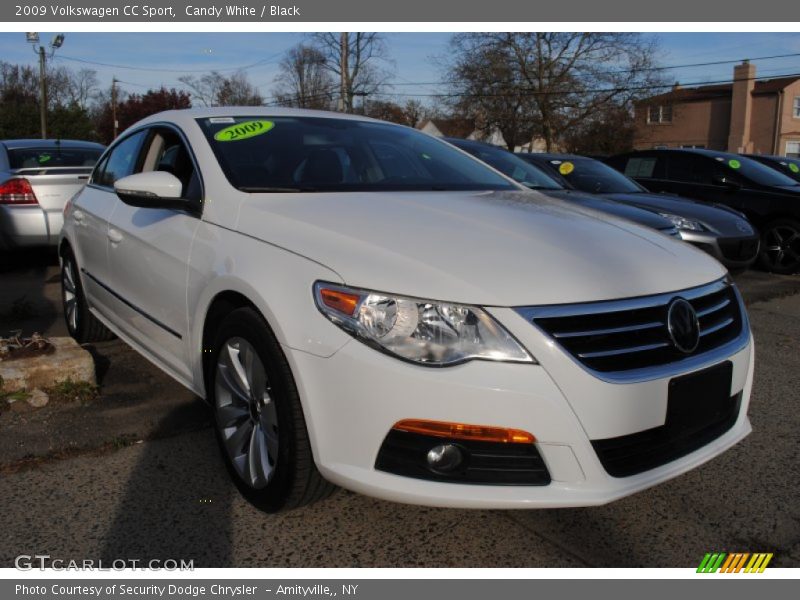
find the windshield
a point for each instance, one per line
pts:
(512, 166)
(595, 177)
(755, 171)
(36, 158)
(289, 154)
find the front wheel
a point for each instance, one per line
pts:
(259, 420)
(81, 323)
(780, 247)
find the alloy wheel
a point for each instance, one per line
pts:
(70, 292)
(246, 416)
(782, 247)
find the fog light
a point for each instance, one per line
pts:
(445, 457)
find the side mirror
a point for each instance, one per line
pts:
(153, 189)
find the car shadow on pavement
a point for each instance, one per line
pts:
(176, 503)
(30, 292)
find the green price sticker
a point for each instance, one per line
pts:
(43, 158)
(243, 131)
(794, 168)
(734, 164)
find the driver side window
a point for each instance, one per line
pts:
(166, 151)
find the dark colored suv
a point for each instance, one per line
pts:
(785, 164)
(769, 199)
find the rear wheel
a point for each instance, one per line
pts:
(780, 247)
(81, 323)
(259, 420)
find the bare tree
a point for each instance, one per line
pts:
(215, 89)
(358, 61)
(304, 81)
(561, 78)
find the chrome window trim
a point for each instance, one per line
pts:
(678, 367)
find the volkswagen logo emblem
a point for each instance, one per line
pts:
(683, 326)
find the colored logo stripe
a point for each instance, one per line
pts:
(734, 562)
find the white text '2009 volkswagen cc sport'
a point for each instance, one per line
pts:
(364, 305)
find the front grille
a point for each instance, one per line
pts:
(739, 250)
(628, 336)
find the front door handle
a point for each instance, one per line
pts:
(114, 236)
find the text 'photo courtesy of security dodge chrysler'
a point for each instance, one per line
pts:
(366, 306)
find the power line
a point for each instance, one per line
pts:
(265, 61)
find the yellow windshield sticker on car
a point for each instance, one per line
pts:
(734, 164)
(243, 131)
(794, 168)
(566, 168)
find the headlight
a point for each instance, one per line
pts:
(683, 222)
(422, 331)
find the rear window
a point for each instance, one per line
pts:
(595, 177)
(38, 158)
(275, 154)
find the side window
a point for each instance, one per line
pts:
(687, 168)
(97, 174)
(166, 151)
(121, 162)
(644, 167)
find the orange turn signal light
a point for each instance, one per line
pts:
(338, 300)
(460, 431)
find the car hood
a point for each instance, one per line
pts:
(642, 216)
(717, 218)
(486, 248)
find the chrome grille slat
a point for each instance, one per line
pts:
(714, 328)
(713, 309)
(627, 340)
(629, 350)
(608, 331)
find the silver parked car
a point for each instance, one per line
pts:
(37, 177)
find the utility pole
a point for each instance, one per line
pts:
(43, 91)
(114, 105)
(344, 50)
(38, 49)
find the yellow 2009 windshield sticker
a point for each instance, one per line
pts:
(566, 168)
(243, 131)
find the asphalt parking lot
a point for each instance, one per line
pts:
(136, 475)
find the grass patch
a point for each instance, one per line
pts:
(68, 391)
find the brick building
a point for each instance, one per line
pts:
(748, 116)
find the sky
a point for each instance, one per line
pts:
(149, 60)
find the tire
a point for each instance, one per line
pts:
(258, 418)
(81, 323)
(780, 247)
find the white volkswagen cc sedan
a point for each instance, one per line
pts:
(367, 306)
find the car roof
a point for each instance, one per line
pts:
(49, 143)
(186, 116)
(771, 157)
(556, 156)
(456, 141)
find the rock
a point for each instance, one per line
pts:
(38, 398)
(69, 361)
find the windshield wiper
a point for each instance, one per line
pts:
(275, 190)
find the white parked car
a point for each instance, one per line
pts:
(364, 305)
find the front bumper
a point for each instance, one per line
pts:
(352, 399)
(28, 225)
(735, 252)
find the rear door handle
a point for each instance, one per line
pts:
(114, 236)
